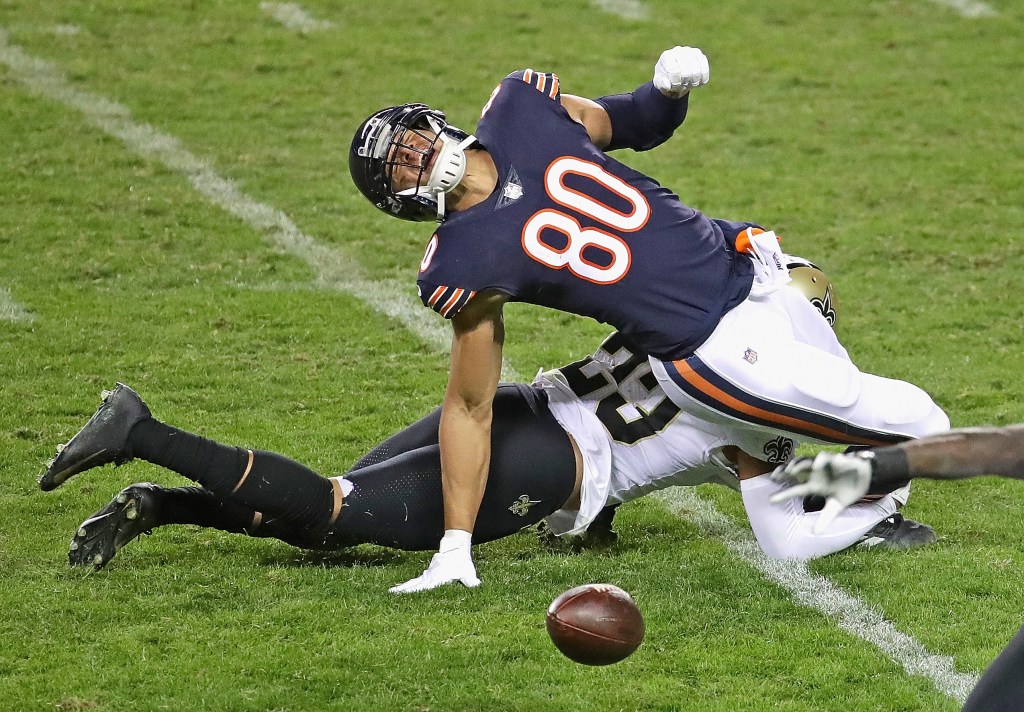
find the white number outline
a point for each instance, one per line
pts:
(570, 256)
(428, 256)
(579, 238)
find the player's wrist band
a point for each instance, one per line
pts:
(889, 464)
(455, 539)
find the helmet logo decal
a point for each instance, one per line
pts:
(825, 306)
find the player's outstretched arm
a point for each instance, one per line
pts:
(465, 438)
(650, 114)
(844, 478)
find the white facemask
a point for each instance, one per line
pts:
(449, 167)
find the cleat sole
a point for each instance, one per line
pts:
(132, 512)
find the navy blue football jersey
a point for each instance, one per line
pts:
(571, 228)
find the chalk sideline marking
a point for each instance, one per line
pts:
(626, 9)
(817, 592)
(332, 268)
(292, 16)
(335, 269)
(970, 9)
(10, 310)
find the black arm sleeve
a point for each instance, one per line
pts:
(643, 118)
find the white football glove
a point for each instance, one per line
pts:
(841, 478)
(681, 69)
(452, 562)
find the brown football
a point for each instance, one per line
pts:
(595, 624)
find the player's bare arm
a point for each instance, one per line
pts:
(592, 116)
(967, 452)
(465, 438)
(466, 414)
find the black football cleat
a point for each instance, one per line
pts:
(132, 512)
(104, 438)
(898, 532)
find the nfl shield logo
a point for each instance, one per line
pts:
(750, 356)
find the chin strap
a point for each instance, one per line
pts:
(449, 167)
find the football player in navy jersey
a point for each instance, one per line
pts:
(534, 209)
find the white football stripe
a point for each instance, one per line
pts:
(10, 310)
(970, 9)
(332, 267)
(626, 9)
(292, 16)
(817, 592)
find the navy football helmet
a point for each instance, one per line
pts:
(385, 141)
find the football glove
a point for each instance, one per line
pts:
(841, 478)
(452, 562)
(681, 69)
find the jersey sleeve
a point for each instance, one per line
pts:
(544, 82)
(446, 301)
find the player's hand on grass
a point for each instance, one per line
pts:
(452, 562)
(681, 69)
(841, 478)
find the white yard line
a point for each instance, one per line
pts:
(334, 269)
(817, 592)
(10, 310)
(626, 9)
(292, 16)
(970, 9)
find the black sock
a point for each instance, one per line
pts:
(201, 507)
(266, 482)
(216, 467)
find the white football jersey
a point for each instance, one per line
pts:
(633, 439)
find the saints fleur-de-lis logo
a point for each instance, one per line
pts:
(778, 450)
(522, 505)
(825, 306)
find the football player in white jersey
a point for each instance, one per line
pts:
(580, 441)
(635, 440)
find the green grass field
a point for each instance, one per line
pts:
(175, 213)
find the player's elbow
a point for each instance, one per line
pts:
(468, 407)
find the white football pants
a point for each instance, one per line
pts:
(774, 369)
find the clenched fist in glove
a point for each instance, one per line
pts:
(681, 69)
